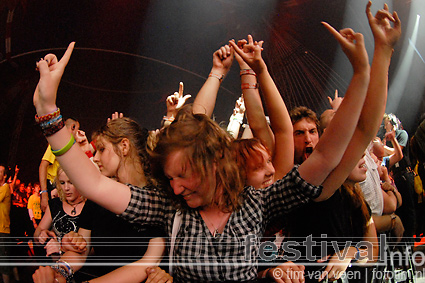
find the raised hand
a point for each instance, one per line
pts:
(336, 102)
(241, 62)
(390, 135)
(51, 71)
(114, 116)
(250, 52)
(239, 106)
(222, 60)
(380, 25)
(352, 43)
(176, 101)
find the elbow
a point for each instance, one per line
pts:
(389, 208)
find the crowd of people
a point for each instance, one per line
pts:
(193, 202)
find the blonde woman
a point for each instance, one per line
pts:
(61, 215)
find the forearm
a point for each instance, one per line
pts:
(42, 175)
(338, 150)
(255, 112)
(372, 113)
(342, 127)
(131, 273)
(390, 202)
(382, 222)
(281, 124)
(233, 127)
(87, 178)
(136, 271)
(205, 99)
(75, 260)
(398, 153)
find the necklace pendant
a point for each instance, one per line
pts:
(216, 233)
(73, 212)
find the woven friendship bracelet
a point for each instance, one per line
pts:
(47, 117)
(247, 72)
(219, 77)
(65, 149)
(53, 129)
(249, 86)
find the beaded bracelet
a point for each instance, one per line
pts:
(53, 129)
(47, 117)
(51, 122)
(220, 78)
(67, 266)
(64, 269)
(249, 86)
(247, 72)
(65, 149)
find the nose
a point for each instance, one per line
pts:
(177, 187)
(96, 158)
(308, 138)
(270, 169)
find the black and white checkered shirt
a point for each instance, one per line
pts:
(233, 255)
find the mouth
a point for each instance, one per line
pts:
(267, 183)
(187, 196)
(307, 152)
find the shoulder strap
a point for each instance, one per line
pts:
(176, 228)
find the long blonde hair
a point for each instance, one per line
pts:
(61, 193)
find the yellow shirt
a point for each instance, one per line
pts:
(5, 209)
(34, 204)
(52, 169)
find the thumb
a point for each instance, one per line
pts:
(150, 270)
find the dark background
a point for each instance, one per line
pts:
(130, 55)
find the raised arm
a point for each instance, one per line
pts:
(370, 119)
(279, 117)
(236, 119)
(398, 152)
(80, 170)
(255, 113)
(334, 141)
(13, 182)
(174, 103)
(205, 99)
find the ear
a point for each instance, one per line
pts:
(125, 146)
